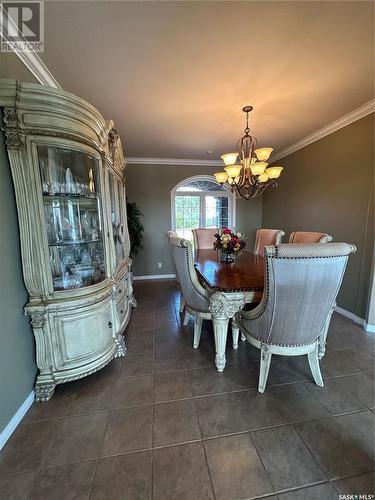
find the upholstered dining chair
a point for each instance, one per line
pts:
(309, 237)
(267, 237)
(301, 285)
(195, 297)
(175, 235)
(204, 238)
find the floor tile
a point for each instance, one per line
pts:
(111, 371)
(141, 344)
(167, 361)
(324, 491)
(364, 484)
(93, 396)
(337, 453)
(278, 405)
(359, 426)
(199, 358)
(129, 429)
(334, 396)
(288, 462)
(66, 482)
(283, 371)
(79, 438)
(175, 422)
(362, 386)
(133, 391)
(123, 477)
(180, 473)
(172, 385)
(235, 467)
(28, 446)
(137, 364)
(340, 342)
(219, 415)
(58, 406)
(341, 324)
(17, 486)
(234, 378)
(346, 362)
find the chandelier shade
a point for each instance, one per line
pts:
(249, 177)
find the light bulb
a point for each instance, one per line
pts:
(274, 172)
(258, 167)
(229, 158)
(221, 177)
(263, 153)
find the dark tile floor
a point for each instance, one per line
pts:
(162, 423)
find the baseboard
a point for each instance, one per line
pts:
(360, 321)
(154, 277)
(10, 428)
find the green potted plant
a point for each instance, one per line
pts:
(135, 227)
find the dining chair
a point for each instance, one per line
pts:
(204, 238)
(301, 285)
(175, 235)
(196, 298)
(309, 237)
(267, 237)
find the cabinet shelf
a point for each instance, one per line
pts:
(76, 242)
(93, 196)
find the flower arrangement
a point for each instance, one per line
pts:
(229, 243)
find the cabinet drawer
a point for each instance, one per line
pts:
(122, 309)
(121, 289)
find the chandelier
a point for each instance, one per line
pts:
(249, 177)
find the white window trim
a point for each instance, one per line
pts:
(202, 195)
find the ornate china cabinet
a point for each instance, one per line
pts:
(68, 172)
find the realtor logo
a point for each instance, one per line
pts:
(22, 25)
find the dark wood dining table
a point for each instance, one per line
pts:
(230, 286)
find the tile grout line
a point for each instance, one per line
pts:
(261, 461)
(153, 402)
(105, 430)
(201, 440)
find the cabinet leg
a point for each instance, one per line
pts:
(44, 391)
(121, 347)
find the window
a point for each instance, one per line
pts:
(201, 202)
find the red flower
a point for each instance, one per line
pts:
(235, 241)
(227, 231)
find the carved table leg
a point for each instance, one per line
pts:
(223, 306)
(235, 332)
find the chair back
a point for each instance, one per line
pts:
(309, 237)
(204, 238)
(195, 296)
(169, 235)
(266, 237)
(301, 286)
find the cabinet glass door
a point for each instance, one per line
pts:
(73, 217)
(118, 215)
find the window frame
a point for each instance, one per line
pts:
(203, 194)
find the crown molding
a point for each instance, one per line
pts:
(357, 114)
(133, 160)
(30, 58)
(37, 67)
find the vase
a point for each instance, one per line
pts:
(226, 257)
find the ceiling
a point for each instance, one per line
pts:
(174, 76)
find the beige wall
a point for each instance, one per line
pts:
(328, 186)
(150, 186)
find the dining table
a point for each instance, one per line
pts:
(230, 286)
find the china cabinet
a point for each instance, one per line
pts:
(68, 172)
